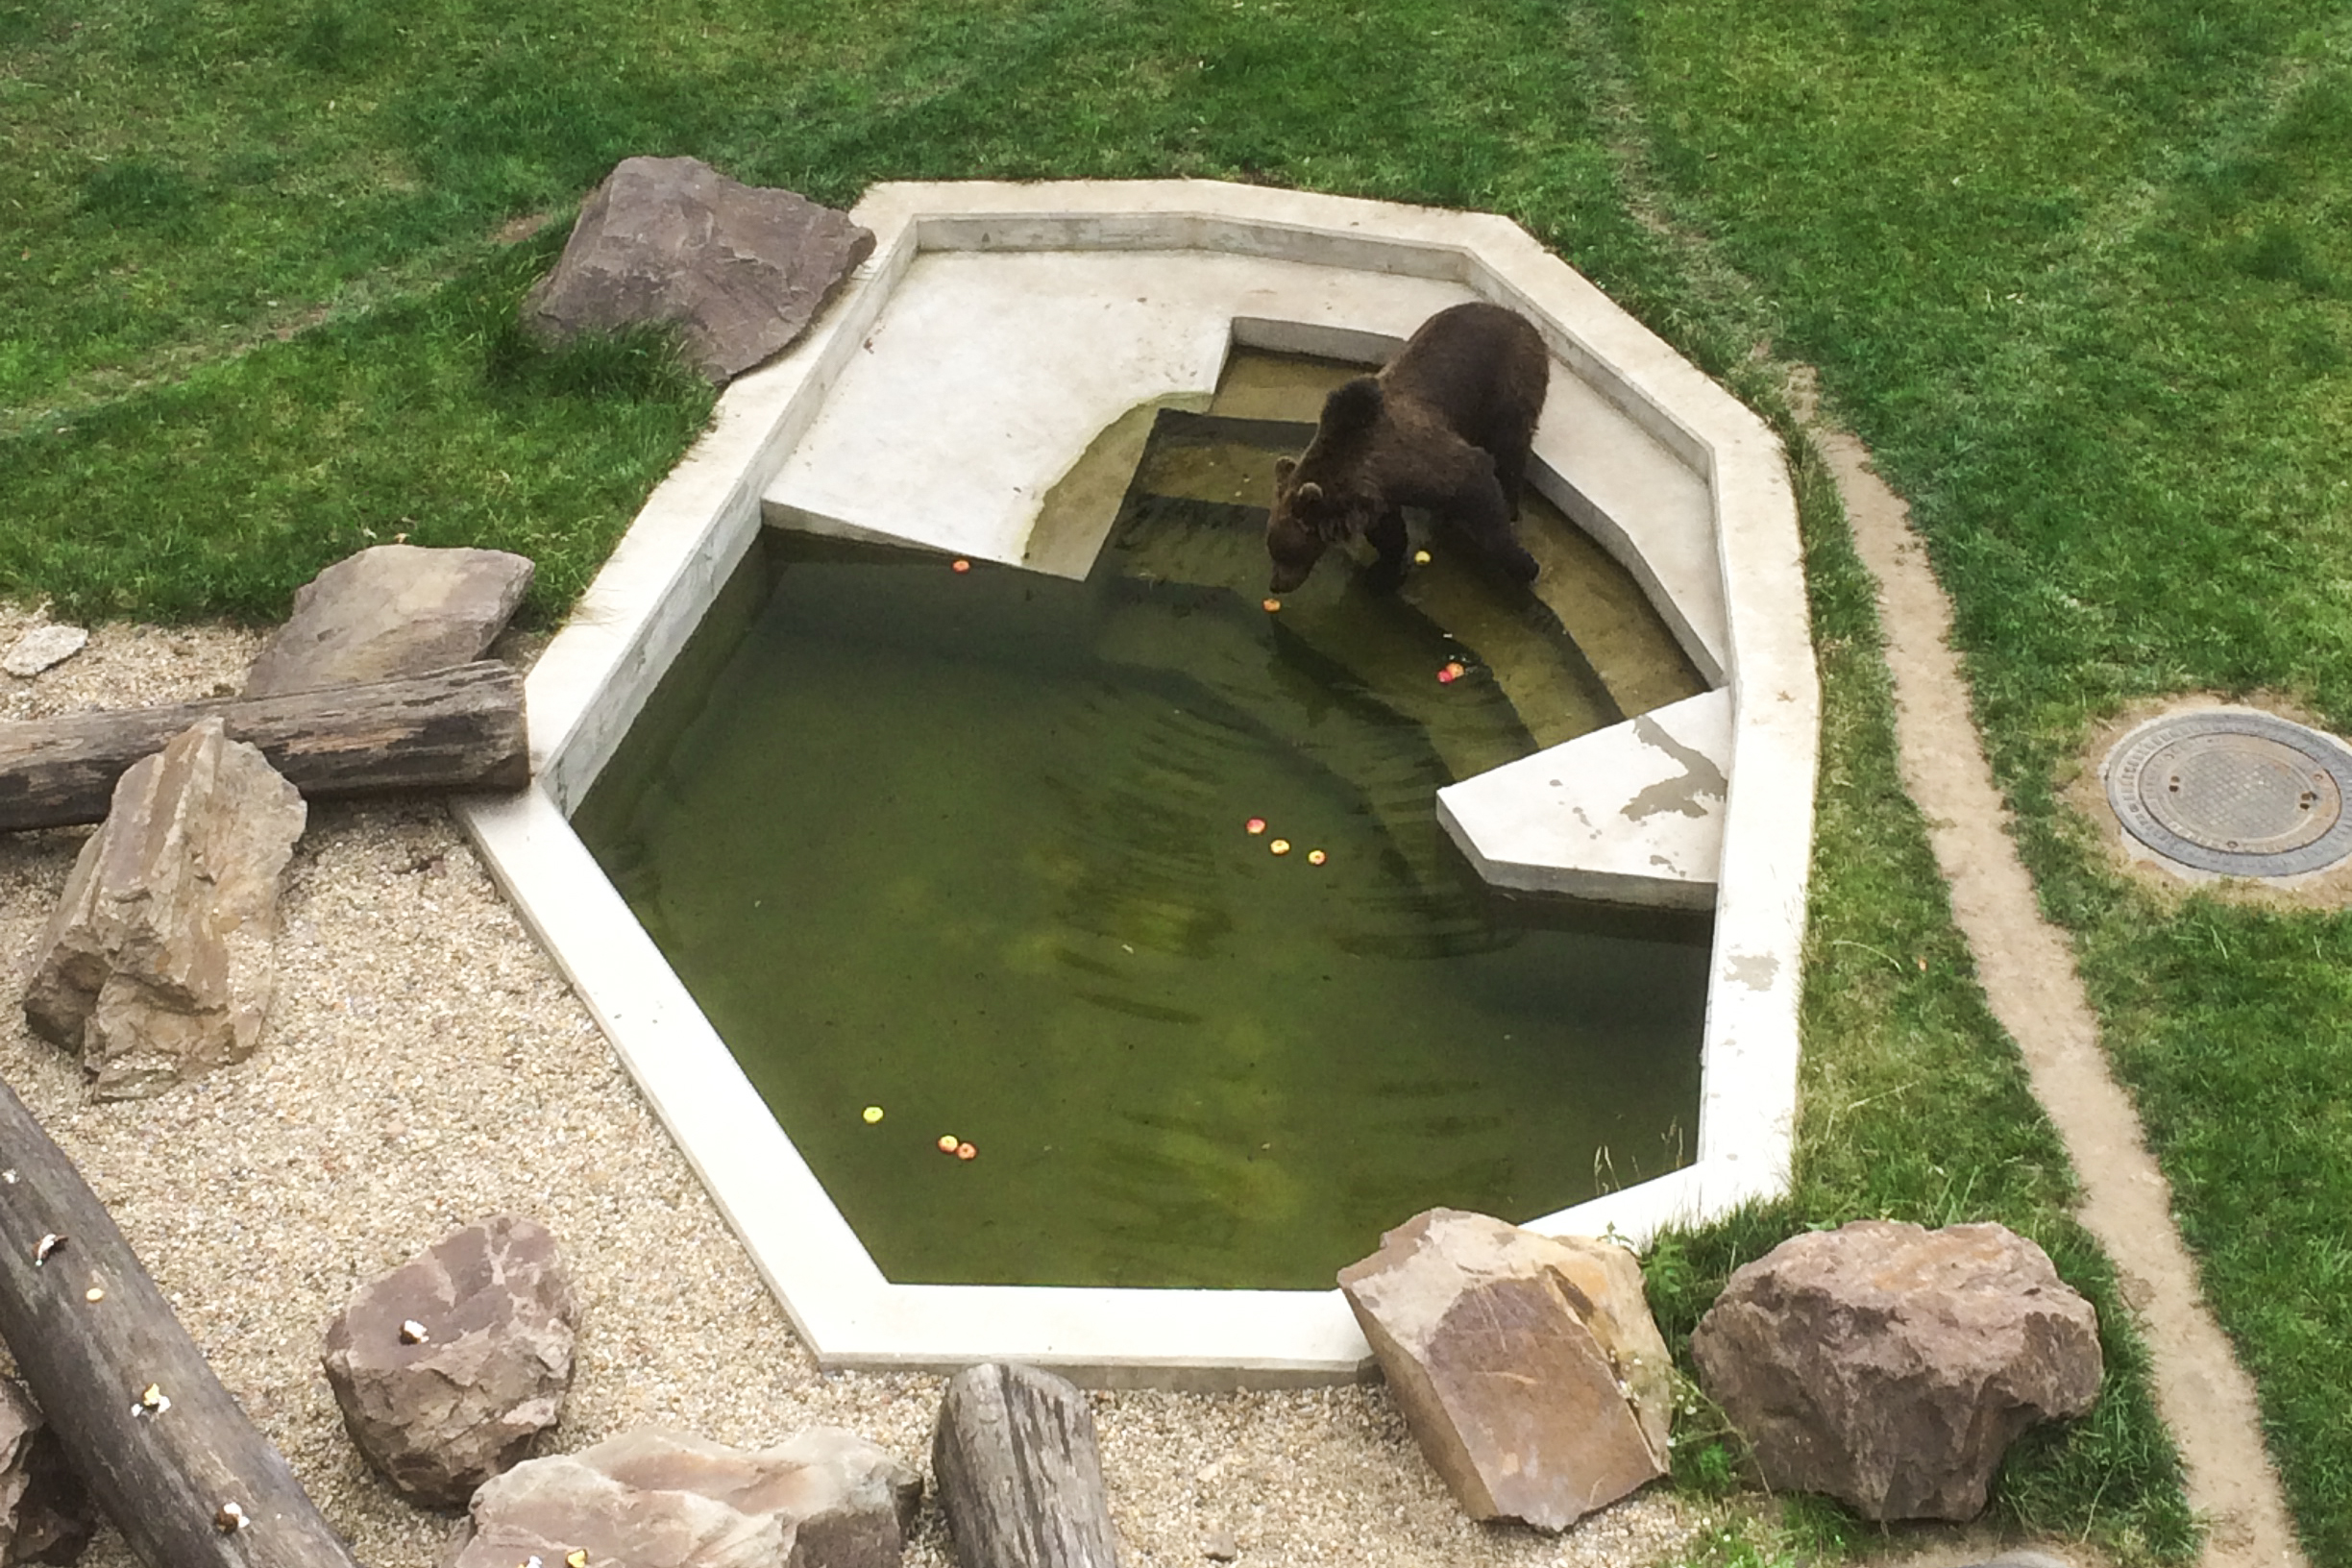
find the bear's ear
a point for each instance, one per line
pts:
(1310, 494)
(1284, 468)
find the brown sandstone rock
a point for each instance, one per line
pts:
(389, 612)
(741, 269)
(45, 1516)
(656, 1499)
(449, 1366)
(158, 964)
(1891, 1366)
(1528, 1366)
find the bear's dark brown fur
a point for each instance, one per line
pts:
(1445, 425)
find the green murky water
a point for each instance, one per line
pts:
(971, 847)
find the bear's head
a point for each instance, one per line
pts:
(1306, 520)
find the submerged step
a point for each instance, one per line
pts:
(1632, 814)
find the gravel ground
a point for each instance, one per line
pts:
(425, 1065)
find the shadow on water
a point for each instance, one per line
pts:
(971, 847)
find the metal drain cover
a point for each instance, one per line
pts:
(2233, 791)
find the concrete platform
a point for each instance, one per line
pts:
(1631, 814)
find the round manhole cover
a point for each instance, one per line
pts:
(2233, 791)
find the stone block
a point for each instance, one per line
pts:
(652, 1498)
(741, 269)
(159, 961)
(1528, 1366)
(450, 1364)
(1891, 1366)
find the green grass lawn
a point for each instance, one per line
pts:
(2088, 292)
(2083, 280)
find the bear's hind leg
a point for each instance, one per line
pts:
(1510, 460)
(1486, 518)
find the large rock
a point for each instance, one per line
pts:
(1528, 1366)
(657, 1499)
(1891, 1366)
(741, 269)
(390, 612)
(158, 963)
(45, 1516)
(1019, 1471)
(448, 1366)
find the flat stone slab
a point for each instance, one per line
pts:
(1630, 814)
(1648, 507)
(44, 647)
(391, 611)
(918, 442)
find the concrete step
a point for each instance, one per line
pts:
(1631, 814)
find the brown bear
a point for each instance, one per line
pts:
(1445, 425)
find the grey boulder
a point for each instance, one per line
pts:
(741, 269)
(1891, 1366)
(448, 1366)
(654, 1498)
(1528, 1366)
(45, 1516)
(389, 612)
(158, 963)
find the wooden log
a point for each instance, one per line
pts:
(1019, 1474)
(455, 728)
(158, 1440)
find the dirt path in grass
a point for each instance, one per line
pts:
(2027, 969)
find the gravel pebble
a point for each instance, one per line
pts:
(426, 1065)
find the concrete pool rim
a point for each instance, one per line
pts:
(700, 520)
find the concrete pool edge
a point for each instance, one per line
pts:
(700, 520)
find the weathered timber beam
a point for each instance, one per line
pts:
(164, 1465)
(1017, 1471)
(455, 728)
